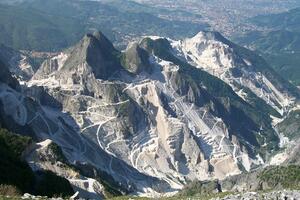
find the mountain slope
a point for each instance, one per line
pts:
(41, 119)
(19, 64)
(14, 171)
(157, 111)
(22, 28)
(153, 117)
(287, 20)
(238, 67)
(278, 41)
(54, 25)
(17, 174)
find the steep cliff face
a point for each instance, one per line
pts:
(152, 117)
(6, 78)
(136, 59)
(18, 63)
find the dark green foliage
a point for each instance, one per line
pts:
(16, 143)
(111, 187)
(198, 187)
(56, 150)
(13, 170)
(15, 173)
(287, 177)
(286, 64)
(290, 127)
(270, 178)
(50, 185)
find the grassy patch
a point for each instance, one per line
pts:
(287, 177)
(16, 176)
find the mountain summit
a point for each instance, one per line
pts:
(242, 69)
(94, 54)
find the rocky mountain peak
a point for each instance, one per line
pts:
(210, 35)
(97, 53)
(136, 59)
(102, 40)
(241, 68)
(93, 56)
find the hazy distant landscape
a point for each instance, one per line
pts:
(57, 28)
